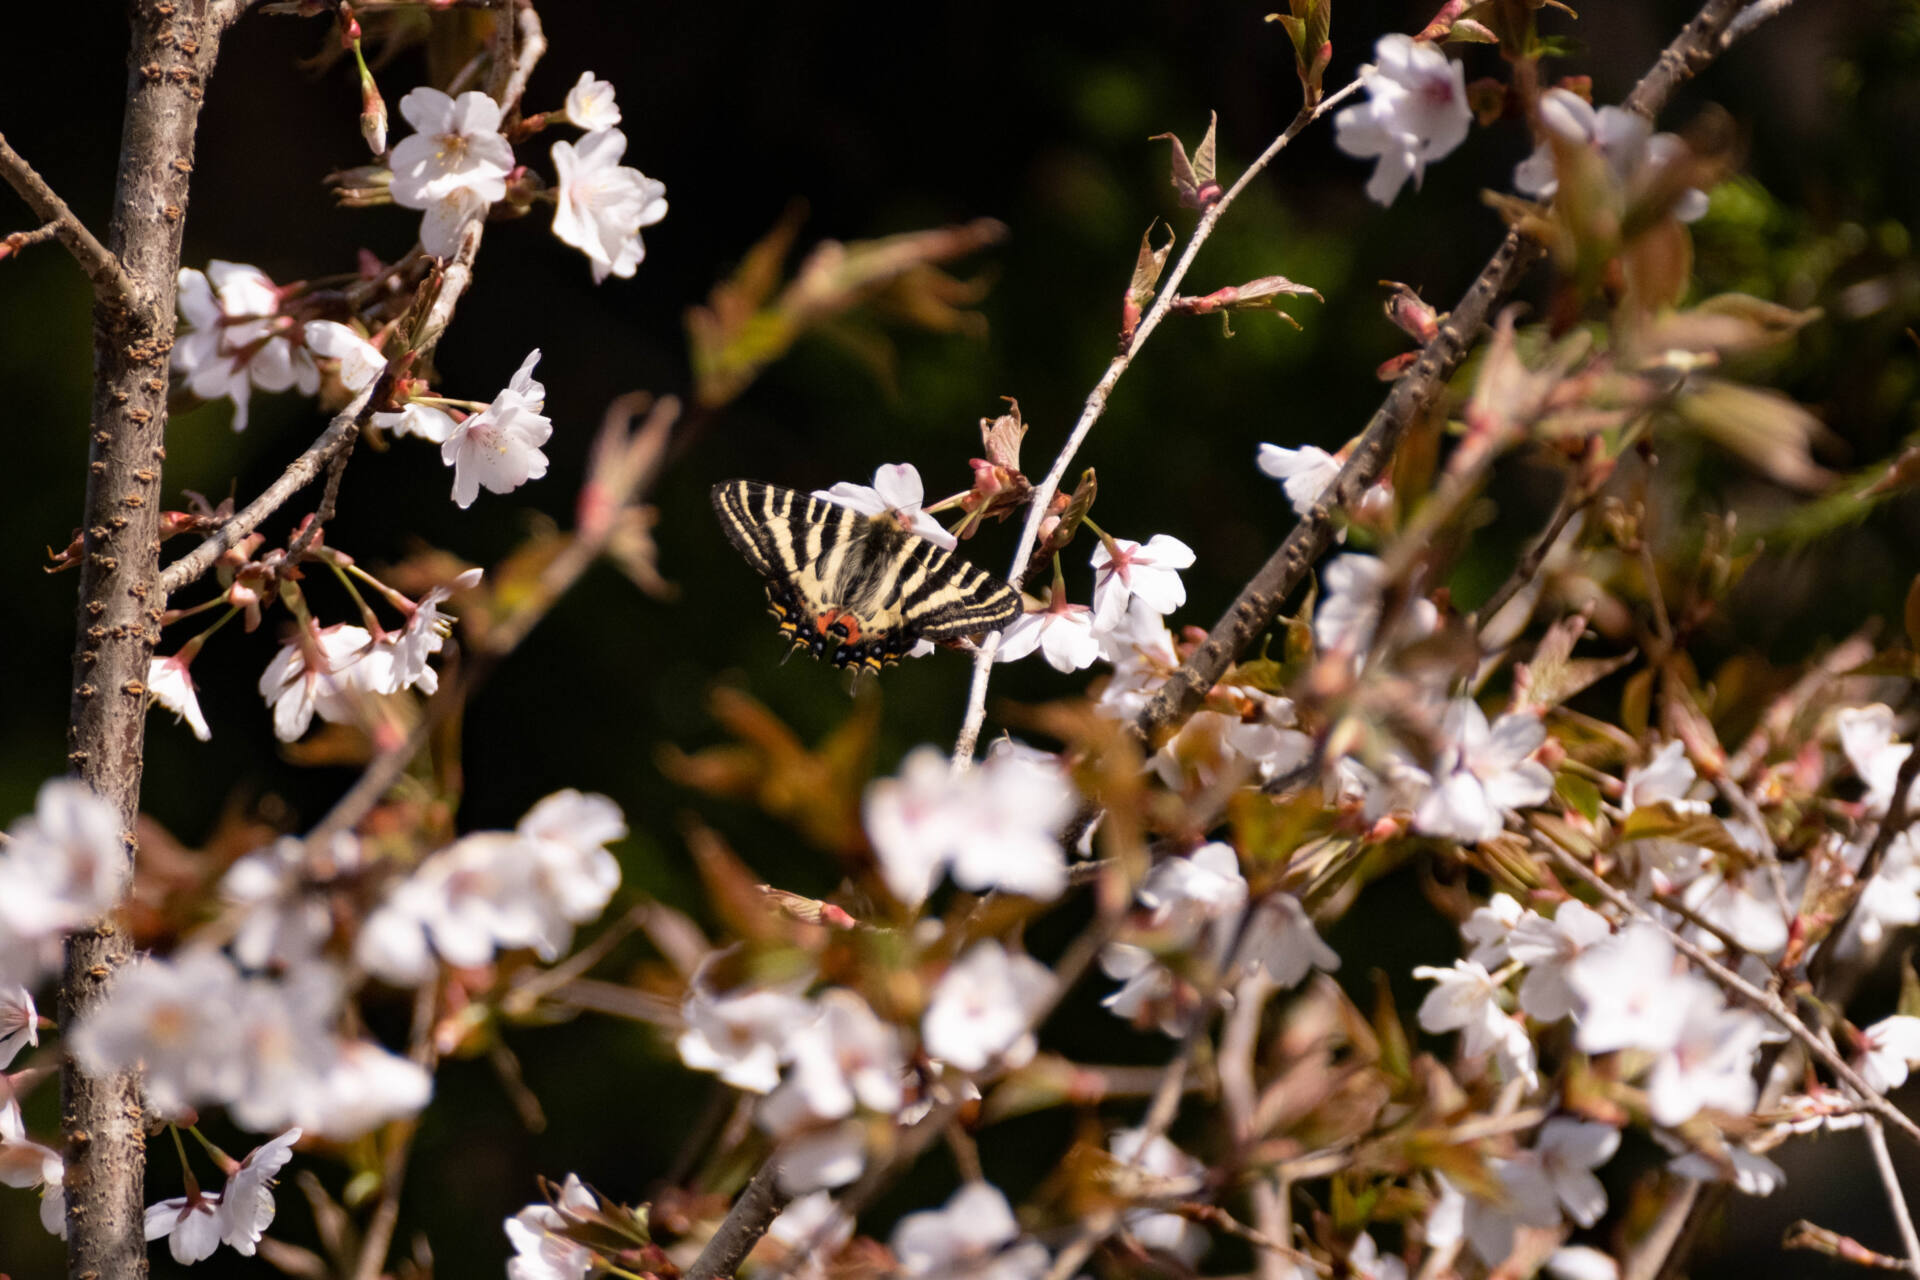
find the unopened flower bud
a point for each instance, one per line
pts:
(1411, 314)
(373, 116)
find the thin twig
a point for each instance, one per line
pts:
(18, 240)
(1891, 828)
(300, 473)
(1572, 498)
(1896, 1199)
(1096, 405)
(378, 1237)
(329, 499)
(111, 283)
(559, 577)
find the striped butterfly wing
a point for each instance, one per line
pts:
(856, 591)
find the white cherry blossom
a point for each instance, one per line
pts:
(178, 1019)
(1625, 139)
(1366, 1262)
(1260, 744)
(19, 1022)
(1548, 948)
(426, 631)
(1630, 992)
(191, 1225)
(1126, 571)
(1581, 1262)
(1141, 650)
(846, 1057)
(1891, 899)
(1710, 1063)
(743, 1037)
(1490, 929)
(329, 674)
(246, 1205)
(994, 827)
(1891, 1047)
(1064, 633)
(24, 1163)
(169, 685)
(896, 493)
(421, 420)
(360, 361)
(1465, 999)
(366, 1086)
(803, 1221)
(1355, 595)
(1010, 838)
(235, 340)
(285, 917)
(1742, 903)
(590, 105)
(499, 447)
(1304, 473)
(1568, 1151)
(913, 821)
(1866, 738)
(817, 1158)
(1753, 1173)
(601, 204)
(982, 1008)
(1665, 778)
(1483, 774)
(64, 865)
(497, 891)
(540, 1251)
(1416, 112)
(453, 167)
(974, 1236)
(1282, 942)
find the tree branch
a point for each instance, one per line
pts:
(748, 1220)
(300, 473)
(118, 621)
(111, 284)
(1096, 405)
(1896, 1199)
(1260, 602)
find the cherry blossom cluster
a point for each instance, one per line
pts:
(62, 866)
(458, 164)
(255, 1026)
(820, 1060)
(253, 337)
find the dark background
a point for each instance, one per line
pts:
(887, 118)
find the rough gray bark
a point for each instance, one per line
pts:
(118, 621)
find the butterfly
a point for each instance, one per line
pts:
(859, 591)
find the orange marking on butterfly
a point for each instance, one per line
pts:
(846, 624)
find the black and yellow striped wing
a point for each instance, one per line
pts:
(856, 591)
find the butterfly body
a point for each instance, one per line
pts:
(855, 590)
